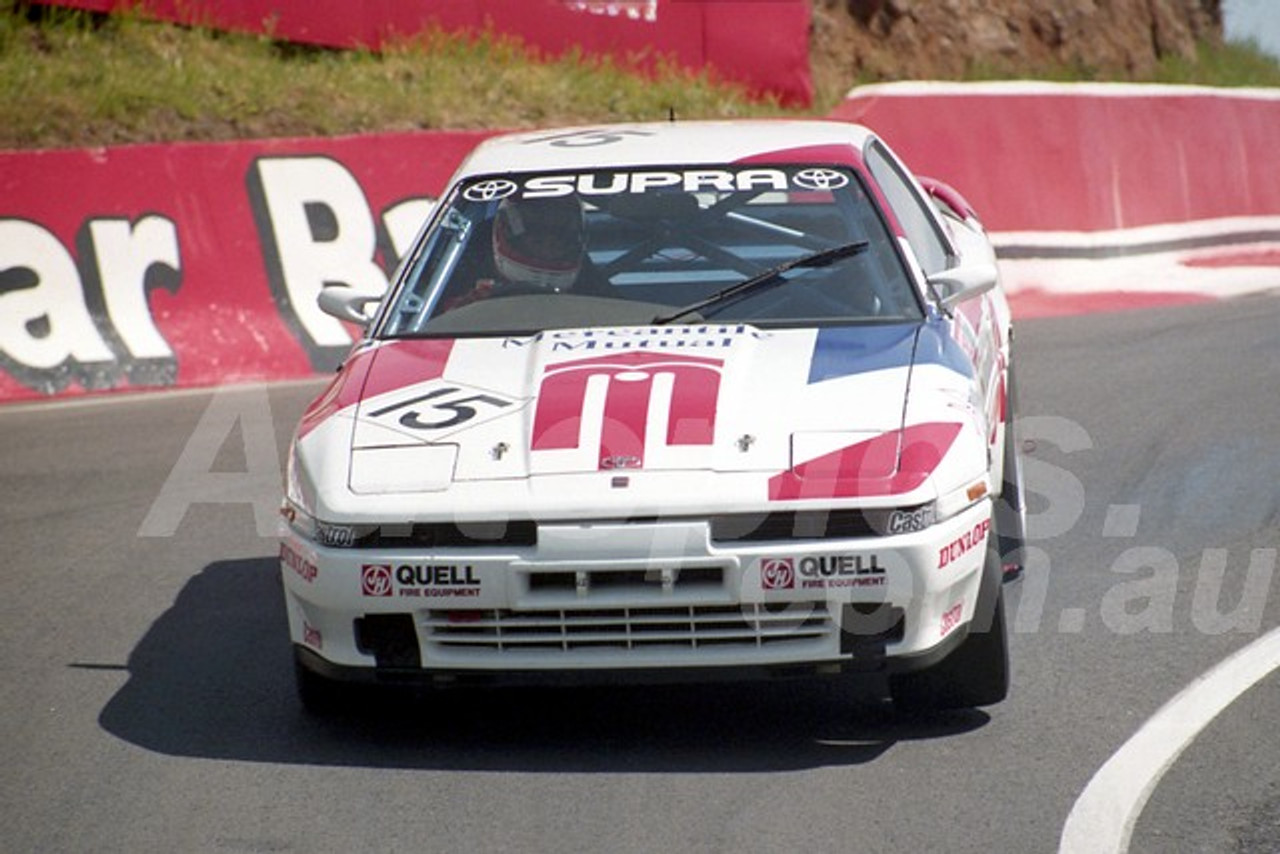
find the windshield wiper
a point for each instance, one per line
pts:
(769, 278)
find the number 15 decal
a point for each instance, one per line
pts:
(440, 408)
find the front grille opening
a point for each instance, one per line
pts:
(391, 639)
(553, 581)
(798, 525)
(607, 581)
(607, 628)
(689, 627)
(701, 576)
(620, 580)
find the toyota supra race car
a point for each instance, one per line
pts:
(667, 402)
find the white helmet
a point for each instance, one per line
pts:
(540, 242)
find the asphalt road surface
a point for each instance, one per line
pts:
(148, 701)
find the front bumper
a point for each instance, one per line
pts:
(596, 602)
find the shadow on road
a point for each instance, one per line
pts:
(213, 678)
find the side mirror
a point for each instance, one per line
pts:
(347, 304)
(960, 284)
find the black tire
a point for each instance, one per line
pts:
(1010, 510)
(320, 696)
(976, 673)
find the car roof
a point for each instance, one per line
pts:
(660, 144)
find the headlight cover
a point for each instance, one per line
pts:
(332, 535)
(298, 511)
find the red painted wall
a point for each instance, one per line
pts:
(197, 264)
(159, 266)
(1091, 157)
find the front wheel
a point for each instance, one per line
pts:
(1010, 507)
(319, 695)
(976, 673)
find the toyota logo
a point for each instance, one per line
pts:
(821, 179)
(489, 191)
(621, 461)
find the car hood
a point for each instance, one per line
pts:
(626, 400)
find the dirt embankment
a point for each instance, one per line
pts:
(922, 39)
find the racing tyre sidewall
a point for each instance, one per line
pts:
(1010, 509)
(320, 696)
(976, 673)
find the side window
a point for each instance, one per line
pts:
(931, 248)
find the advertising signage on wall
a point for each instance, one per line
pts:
(196, 264)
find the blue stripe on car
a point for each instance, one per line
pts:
(937, 347)
(847, 350)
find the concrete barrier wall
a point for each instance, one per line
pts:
(197, 264)
(762, 44)
(161, 266)
(1101, 195)
(1085, 157)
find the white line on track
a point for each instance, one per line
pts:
(1102, 820)
(110, 398)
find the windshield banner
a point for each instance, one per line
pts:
(615, 183)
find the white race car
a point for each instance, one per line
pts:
(667, 402)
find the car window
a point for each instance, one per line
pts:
(624, 247)
(932, 249)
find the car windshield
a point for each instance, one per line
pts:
(523, 253)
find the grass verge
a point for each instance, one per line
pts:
(73, 79)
